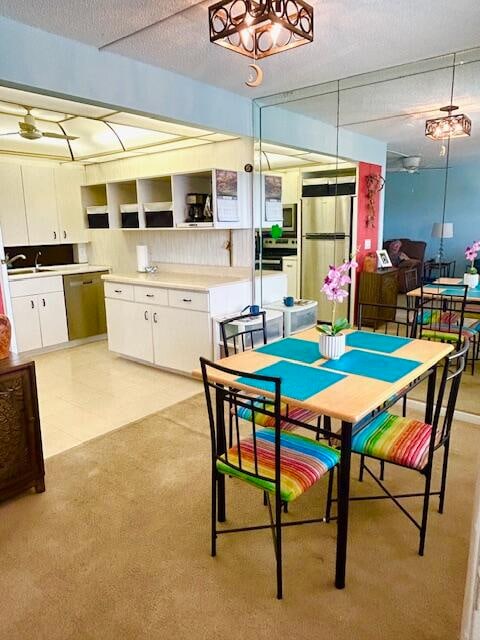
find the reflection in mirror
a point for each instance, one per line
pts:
(368, 134)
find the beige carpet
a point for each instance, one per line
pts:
(118, 548)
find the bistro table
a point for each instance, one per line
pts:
(374, 369)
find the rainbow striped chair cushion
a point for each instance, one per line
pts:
(296, 413)
(403, 441)
(435, 316)
(303, 462)
(449, 333)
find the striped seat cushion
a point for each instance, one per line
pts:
(303, 462)
(435, 316)
(403, 441)
(296, 413)
(449, 333)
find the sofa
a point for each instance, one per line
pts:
(415, 250)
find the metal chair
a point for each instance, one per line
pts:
(239, 334)
(441, 315)
(412, 444)
(278, 462)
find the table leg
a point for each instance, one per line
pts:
(221, 448)
(343, 501)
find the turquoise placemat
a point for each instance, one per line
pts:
(376, 341)
(298, 381)
(471, 293)
(373, 365)
(301, 350)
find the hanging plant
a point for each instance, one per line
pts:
(375, 183)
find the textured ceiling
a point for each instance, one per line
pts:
(351, 36)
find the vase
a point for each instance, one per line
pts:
(5, 336)
(471, 279)
(331, 347)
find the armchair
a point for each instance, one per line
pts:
(415, 250)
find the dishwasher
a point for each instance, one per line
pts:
(85, 303)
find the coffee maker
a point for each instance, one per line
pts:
(196, 207)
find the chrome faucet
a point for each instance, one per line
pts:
(37, 264)
(9, 261)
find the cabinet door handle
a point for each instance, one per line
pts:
(64, 234)
(43, 302)
(145, 315)
(186, 299)
(54, 235)
(118, 291)
(150, 295)
(155, 317)
(32, 303)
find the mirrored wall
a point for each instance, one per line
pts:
(359, 166)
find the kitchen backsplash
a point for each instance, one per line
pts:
(116, 248)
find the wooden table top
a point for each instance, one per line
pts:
(473, 295)
(351, 398)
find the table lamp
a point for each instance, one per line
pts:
(442, 230)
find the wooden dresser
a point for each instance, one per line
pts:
(378, 287)
(21, 455)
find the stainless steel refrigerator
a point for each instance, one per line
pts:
(326, 240)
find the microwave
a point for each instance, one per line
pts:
(290, 217)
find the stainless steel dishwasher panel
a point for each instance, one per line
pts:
(85, 303)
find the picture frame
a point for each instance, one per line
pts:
(383, 259)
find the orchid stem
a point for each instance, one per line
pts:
(333, 317)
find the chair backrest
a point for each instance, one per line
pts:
(222, 399)
(448, 391)
(441, 313)
(392, 319)
(411, 279)
(241, 332)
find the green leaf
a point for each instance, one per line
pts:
(326, 329)
(340, 325)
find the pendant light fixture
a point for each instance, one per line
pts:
(453, 125)
(260, 28)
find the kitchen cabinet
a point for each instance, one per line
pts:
(26, 323)
(180, 337)
(290, 187)
(71, 221)
(39, 315)
(129, 329)
(40, 205)
(290, 267)
(13, 219)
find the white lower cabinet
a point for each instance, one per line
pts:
(163, 335)
(180, 337)
(27, 323)
(40, 320)
(129, 329)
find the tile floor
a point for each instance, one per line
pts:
(86, 391)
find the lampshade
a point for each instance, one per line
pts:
(442, 230)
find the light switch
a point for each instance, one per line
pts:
(368, 244)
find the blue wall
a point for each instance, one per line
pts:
(413, 202)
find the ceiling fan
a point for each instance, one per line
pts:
(403, 162)
(28, 129)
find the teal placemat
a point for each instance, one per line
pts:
(373, 365)
(376, 341)
(301, 350)
(298, 381)
(471, 293)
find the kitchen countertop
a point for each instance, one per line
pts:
(60, 270)
(177, 280)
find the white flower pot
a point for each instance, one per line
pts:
(331, 347)
(471, 279)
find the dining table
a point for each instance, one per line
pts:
(375, 371)
(446, 287)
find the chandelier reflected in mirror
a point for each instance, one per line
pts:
(260, 28)
(456, 125)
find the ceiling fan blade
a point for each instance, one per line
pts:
(60, 136)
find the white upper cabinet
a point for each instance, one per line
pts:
(12, 213)
(40, 205)
(71, 217)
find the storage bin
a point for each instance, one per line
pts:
(302, 316)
